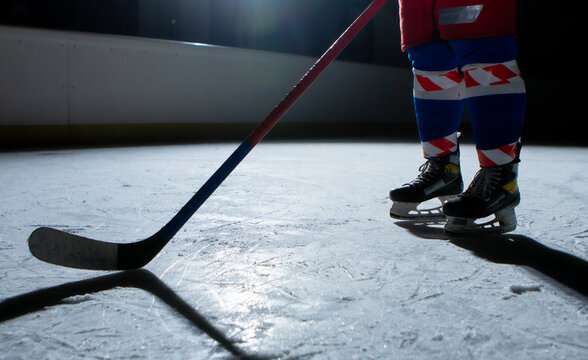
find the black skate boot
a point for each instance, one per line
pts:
(493, 193)
(439, 178)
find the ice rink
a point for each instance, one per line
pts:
(293, 257)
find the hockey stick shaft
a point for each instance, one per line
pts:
(176, 223)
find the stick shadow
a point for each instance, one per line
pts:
(37, 300)
(560, 266)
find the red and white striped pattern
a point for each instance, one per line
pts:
(438, 85)
(492, 79)
(499, 156)
(439, 147)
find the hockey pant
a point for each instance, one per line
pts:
(481, 74)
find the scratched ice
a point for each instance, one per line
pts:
(294, 256)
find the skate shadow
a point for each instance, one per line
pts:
(38, 300)
(513, 249)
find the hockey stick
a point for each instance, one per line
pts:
(65, 249)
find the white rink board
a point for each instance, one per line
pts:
(69, 78)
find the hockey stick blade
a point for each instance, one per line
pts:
(61, 248)
(65, 249)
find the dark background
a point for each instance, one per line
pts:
(550, 35)
(304, 27)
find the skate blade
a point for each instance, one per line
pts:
(428, 210)
(502, 222)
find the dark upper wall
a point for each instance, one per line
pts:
(304, 27)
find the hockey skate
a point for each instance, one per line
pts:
(488, 205)
(423, 198)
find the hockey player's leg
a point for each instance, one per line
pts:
(438, 99)
(495, 96)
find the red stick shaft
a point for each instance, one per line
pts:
(284, 105)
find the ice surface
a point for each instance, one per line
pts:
(294, 256)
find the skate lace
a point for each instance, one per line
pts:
(484, 183)
(429, 171)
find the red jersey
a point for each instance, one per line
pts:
(421, 21)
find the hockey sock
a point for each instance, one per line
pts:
(496, 104)
(498, 156)
(438, 101)
(439, 92)
(439, 147)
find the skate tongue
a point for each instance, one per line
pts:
(483, 184)
(429, 170)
